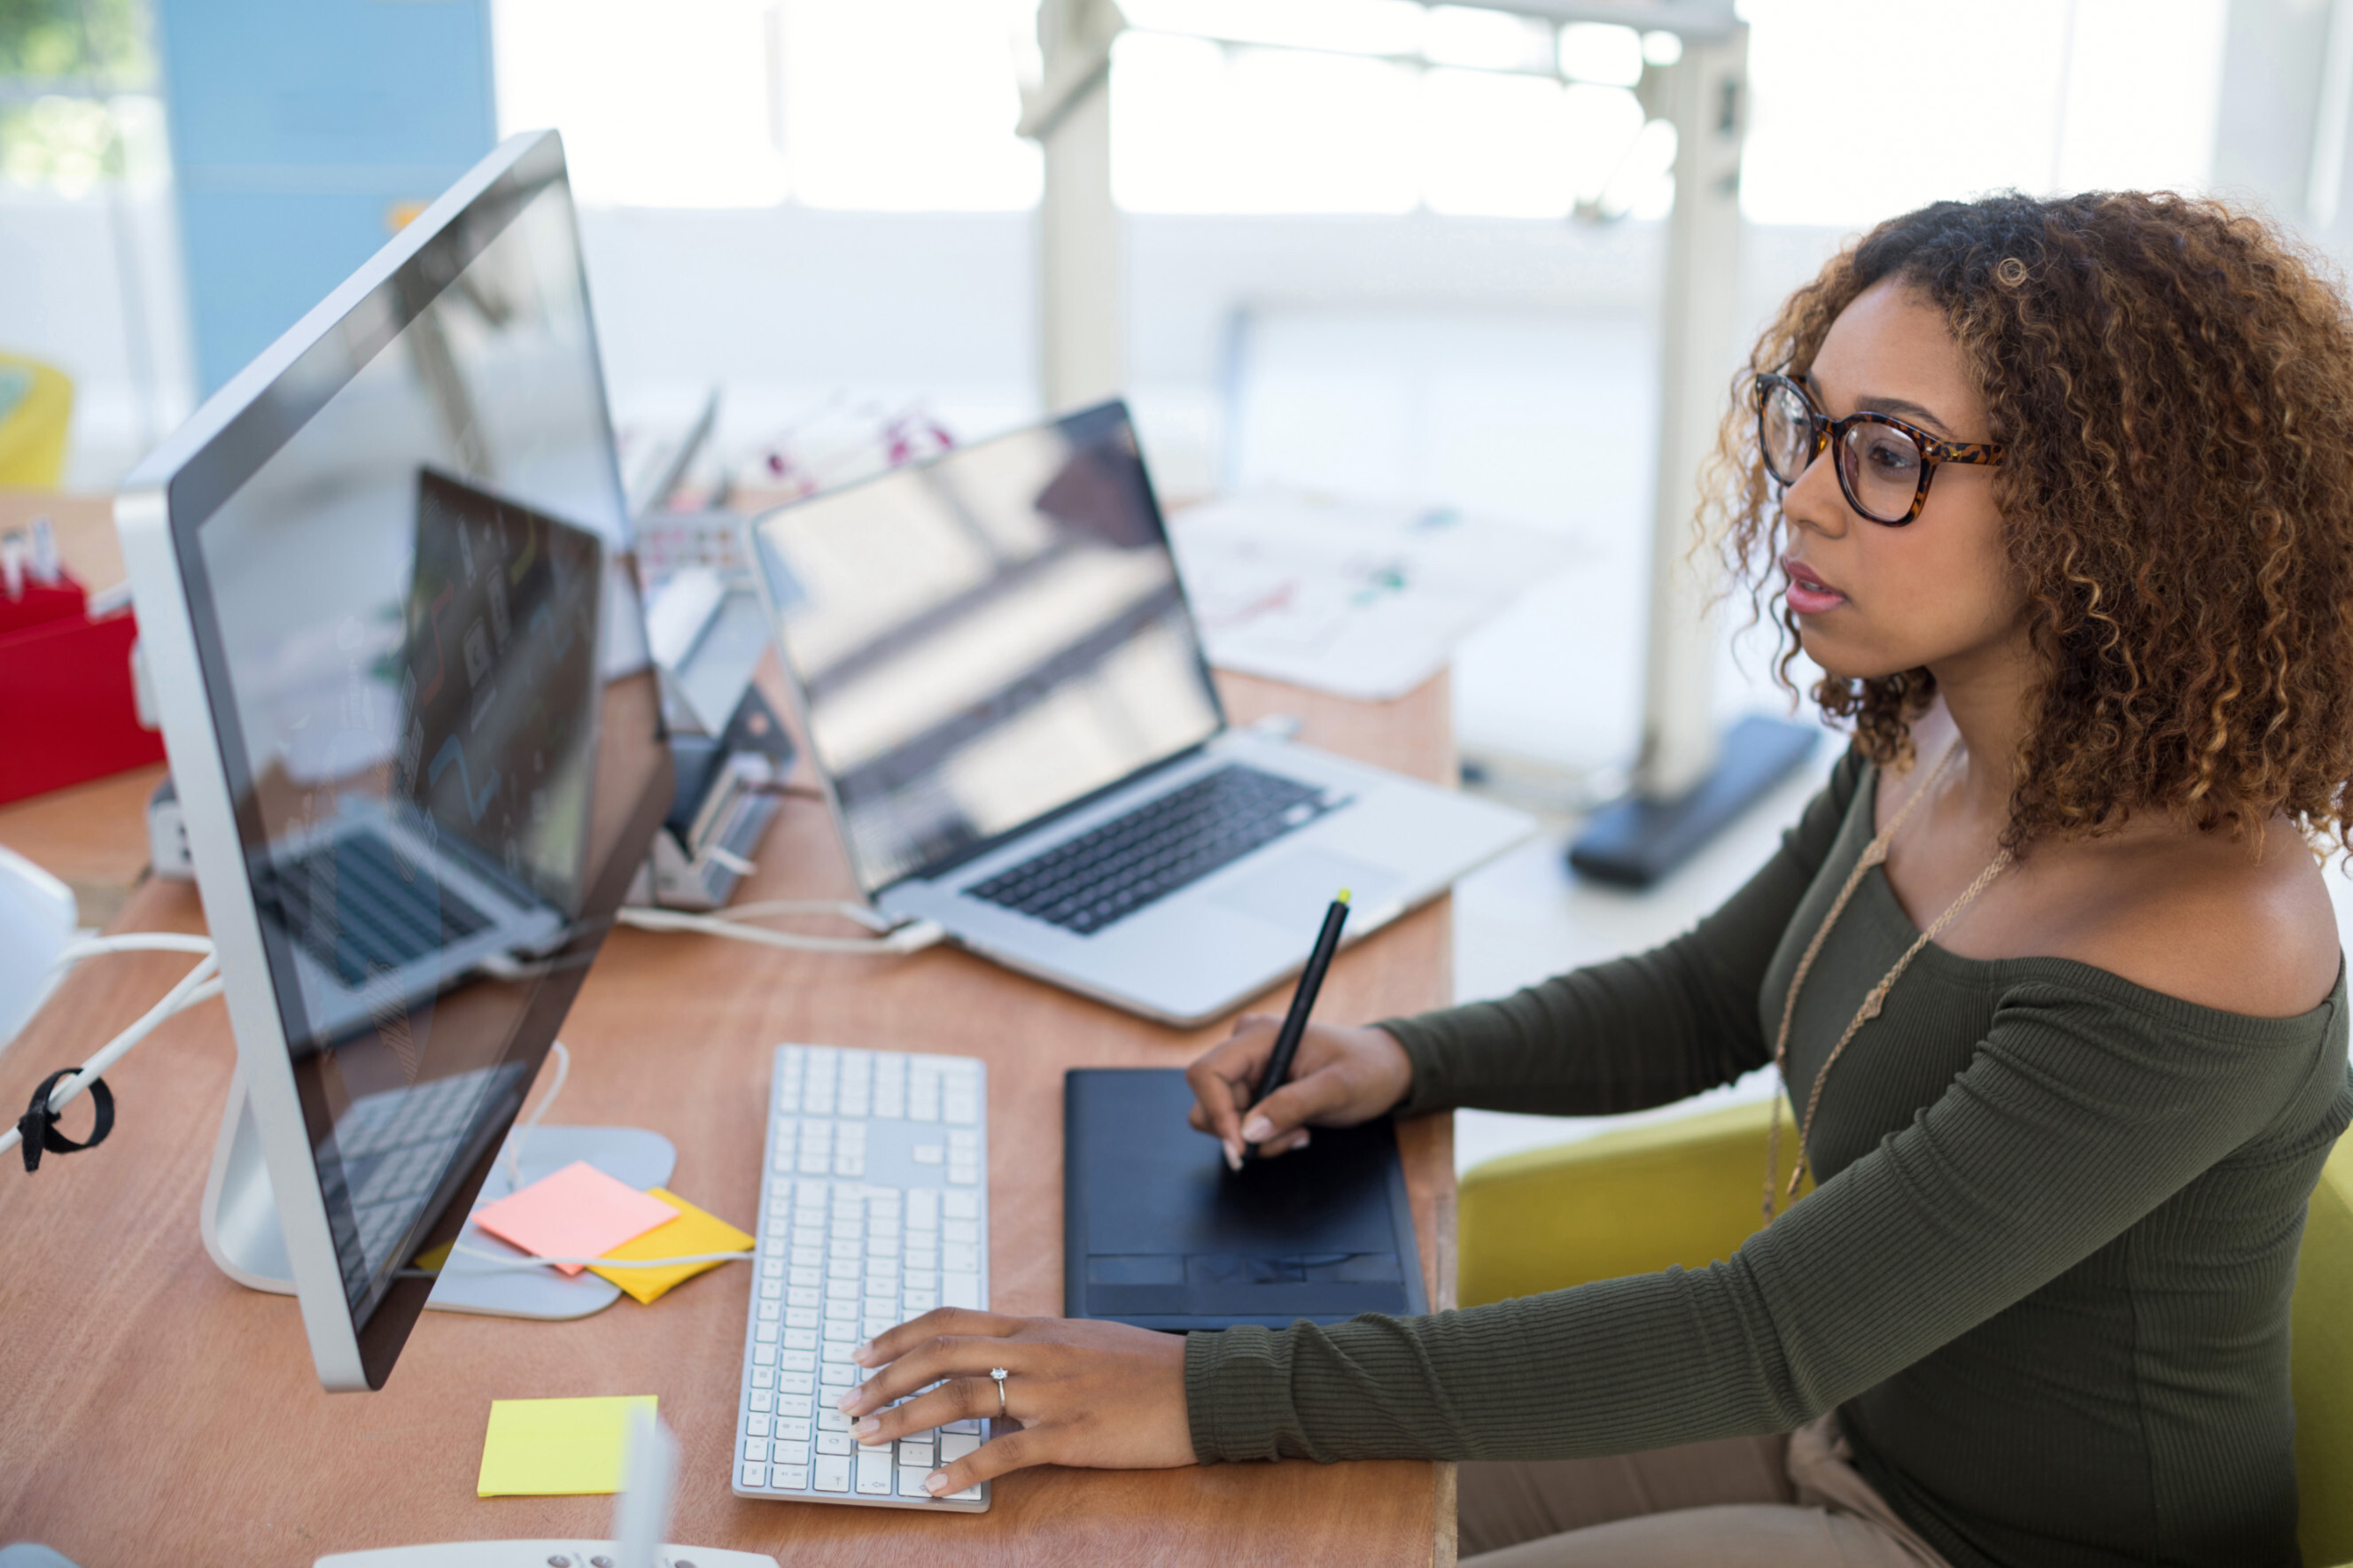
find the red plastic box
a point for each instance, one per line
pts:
(69, 712)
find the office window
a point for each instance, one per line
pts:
(2031, 95)
(892, 104)
(1450, 108)
(77, 104)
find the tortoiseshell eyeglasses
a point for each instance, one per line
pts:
(1883, 465)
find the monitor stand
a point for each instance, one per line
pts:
(240, 1227)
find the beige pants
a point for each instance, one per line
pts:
(1793, 1501)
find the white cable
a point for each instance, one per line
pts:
(514, 1138)
(136, 942)
(198, 985)
(912, 938)
(502, 1262)
(866, 915)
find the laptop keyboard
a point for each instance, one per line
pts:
(1170, 842)
(359, 914)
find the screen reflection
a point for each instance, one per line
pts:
(985, 638)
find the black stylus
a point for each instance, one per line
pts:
(1302, 1002)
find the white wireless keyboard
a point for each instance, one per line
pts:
(875, 1210)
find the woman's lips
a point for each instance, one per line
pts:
(1807, 594)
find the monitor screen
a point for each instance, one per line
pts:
(405, 558)
(986, 637)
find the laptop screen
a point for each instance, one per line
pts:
(986, 637)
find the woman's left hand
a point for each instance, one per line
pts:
(1096, 1394)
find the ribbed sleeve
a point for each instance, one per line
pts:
(1636, 1032)
(2083, 1108)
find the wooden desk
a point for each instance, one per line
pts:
(157, 1412)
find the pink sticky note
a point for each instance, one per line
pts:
(578, 1212)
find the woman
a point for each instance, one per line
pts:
(2060, 495)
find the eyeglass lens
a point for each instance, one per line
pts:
(1879, 464)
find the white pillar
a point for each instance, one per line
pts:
(1706, 96)
(1080, 357)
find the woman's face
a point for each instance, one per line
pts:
(1872, 600)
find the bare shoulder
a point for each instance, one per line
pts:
(2204, 919)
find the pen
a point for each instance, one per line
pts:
(1302, 1002)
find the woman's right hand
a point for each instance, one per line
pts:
(1339, 1077)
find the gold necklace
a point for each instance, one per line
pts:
(1874, 854)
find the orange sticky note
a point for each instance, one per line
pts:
(692, 1234)
(578, 1212)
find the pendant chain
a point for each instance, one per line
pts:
(1874, 854)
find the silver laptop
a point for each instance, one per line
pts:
(1003, 691)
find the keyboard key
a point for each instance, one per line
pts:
(755, 1477)
(761, 1400)
(832, 1473)
(756, 1426)
(875, 1473)
(960, 1206)
(966, 1230)
(955, 1257)
(960, 1290)
(913, 1452)
(955, 1446)
(792, 1452)
(756, 1448)
(833, 1443)
(796, 1383)
(791, 1430)
(789, 1477)
(796, 1361)
(910, 1482)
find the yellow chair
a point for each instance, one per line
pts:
(35, 412)
(1687, 1192)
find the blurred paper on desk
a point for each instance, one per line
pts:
(1358, 598)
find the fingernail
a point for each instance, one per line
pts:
(937, 1482)
(1257, 1130)
(849, 1399)
(1233, 1155)
(1301, 1141)
(864, 1354)
(866, 1428)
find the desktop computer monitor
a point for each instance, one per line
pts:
(386, 604)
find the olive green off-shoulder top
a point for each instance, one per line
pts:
(2044, 1279)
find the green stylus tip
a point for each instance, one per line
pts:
(1344, 895)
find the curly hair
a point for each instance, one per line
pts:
(2173, 383)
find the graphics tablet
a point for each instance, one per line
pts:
(1158, 1233)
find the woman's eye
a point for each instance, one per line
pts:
(1890, 454)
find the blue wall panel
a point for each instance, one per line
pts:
(298, 128)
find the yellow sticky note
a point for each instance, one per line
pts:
(691, 1232)
(556, 1448)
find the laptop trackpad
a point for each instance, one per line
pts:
(1293, 888)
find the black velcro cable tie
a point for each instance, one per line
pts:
(38, 1125)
